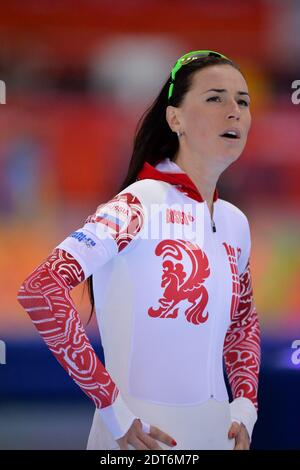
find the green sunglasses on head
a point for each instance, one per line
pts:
(187, 59)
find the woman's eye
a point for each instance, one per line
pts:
(213, 98)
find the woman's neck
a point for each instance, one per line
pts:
(205, 178)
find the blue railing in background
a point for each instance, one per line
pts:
(32, 374)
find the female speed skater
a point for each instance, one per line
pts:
(168, 266)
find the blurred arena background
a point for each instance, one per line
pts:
(78, 75)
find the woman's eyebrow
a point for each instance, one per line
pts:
(222, 90)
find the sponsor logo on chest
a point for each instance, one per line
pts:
(178, 217)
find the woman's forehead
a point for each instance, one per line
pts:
(219, 77)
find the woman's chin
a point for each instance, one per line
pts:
(235, 156)
(229, 158)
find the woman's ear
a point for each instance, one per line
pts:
(173, 118)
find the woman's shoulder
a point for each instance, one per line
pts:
(147, 191)
(233, 210)
(236, 218)
(136, 199)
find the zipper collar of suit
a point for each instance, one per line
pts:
(168, 171)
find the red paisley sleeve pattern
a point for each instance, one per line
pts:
(242, 344)
(45, 296)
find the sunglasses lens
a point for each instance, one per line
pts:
(186, 60)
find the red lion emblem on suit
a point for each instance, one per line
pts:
(180, 286)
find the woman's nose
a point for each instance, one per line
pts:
(234, 111)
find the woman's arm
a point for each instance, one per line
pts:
(242, 355)
(45, 295)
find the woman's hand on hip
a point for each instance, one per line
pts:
(241, 436)
(140, 440)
